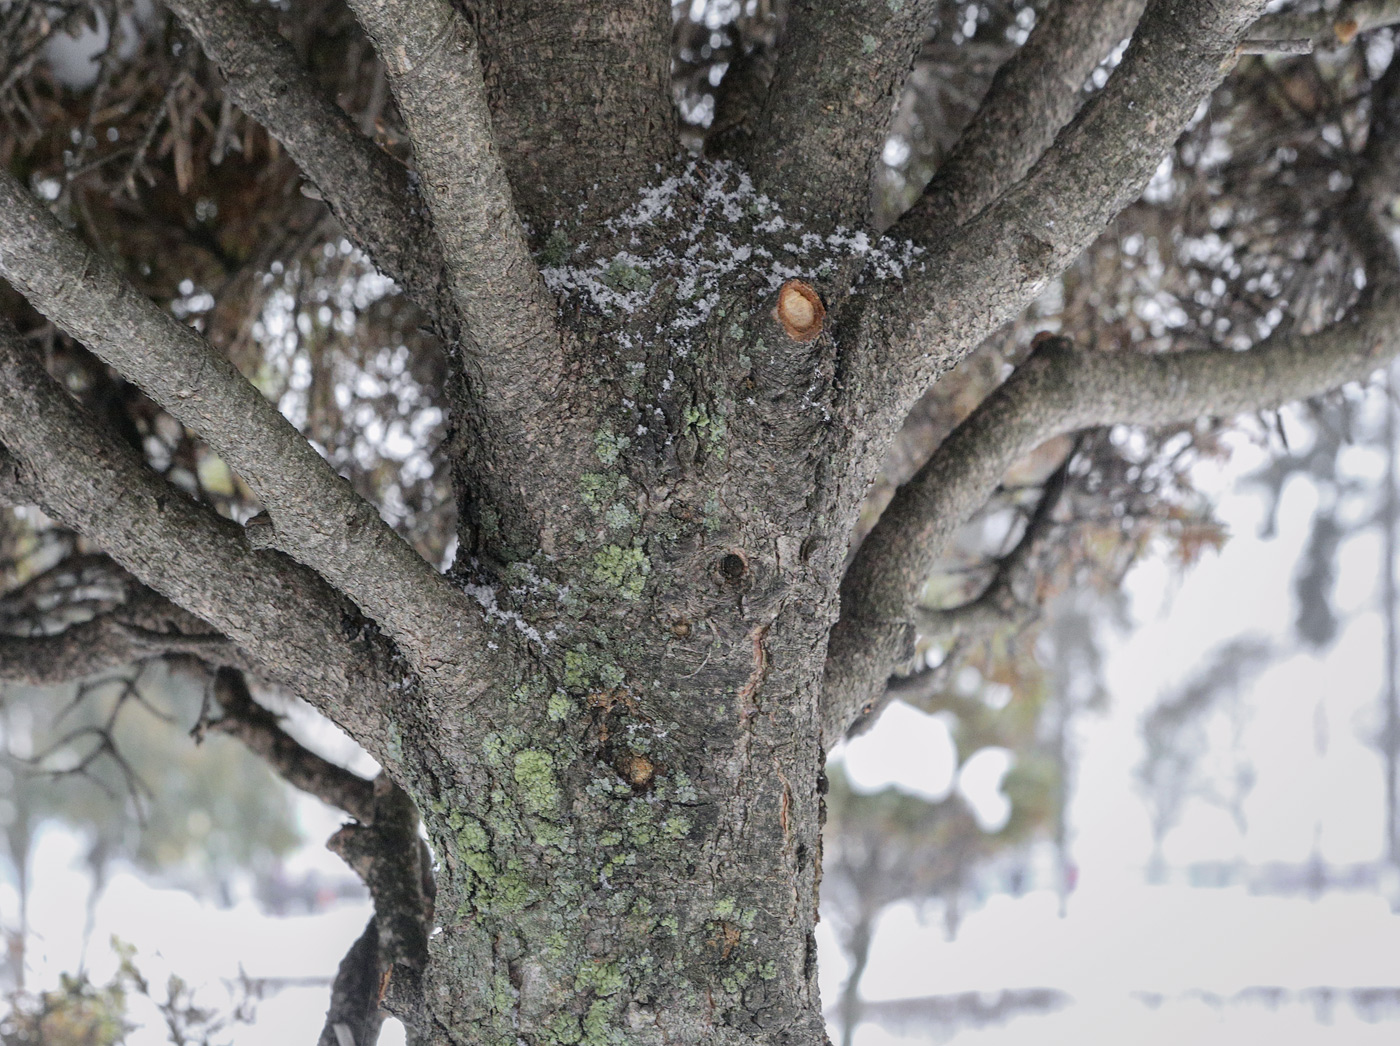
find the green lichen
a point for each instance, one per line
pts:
(600, 488)
(600, 978)
(724, 907)
(579, 666)
(611, 837)
(868, 44)
(609, 447)
(676, 827)
(556, 249)
(534, 773)
(560, 705)
(625, 569)
(619, 517)
(622, 276)
(596, 1030)
(496, 746)
(565, 1030)
(612, 676)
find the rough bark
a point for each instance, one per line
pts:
(282, 614)
(573, 132)
(315, 515)
(435, 71)
(1031, 98)
(839, 72)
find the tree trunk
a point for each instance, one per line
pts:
(629, 840)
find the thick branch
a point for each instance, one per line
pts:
(354, 1015)
(580, 97)
(366, 189)
(434, 69)
(1060, 389)
(1033, 95)
(283, 615)
(982, 274)
(392, 859)
(839, 71)
(316, 517)
(258, 729)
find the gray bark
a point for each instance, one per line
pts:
(611, 716)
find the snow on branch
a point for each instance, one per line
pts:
(365, 188)
(315, 515)
(281, 614)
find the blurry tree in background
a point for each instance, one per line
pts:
(672, 392)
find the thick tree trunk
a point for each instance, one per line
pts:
(628, 831)
(636, 859)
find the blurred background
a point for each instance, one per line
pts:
(1142, 787)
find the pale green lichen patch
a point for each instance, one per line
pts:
(609, 447)
(626, 276)
(560, 706)
(534, 773)
(619, 517)
(556, 249)
(600, 978)
(624, 569)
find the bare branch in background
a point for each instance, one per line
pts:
(1061, 389)
(280, 613)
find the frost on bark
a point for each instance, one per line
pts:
(671, 381)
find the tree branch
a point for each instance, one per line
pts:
(1326, 28)
(839, 72)
(366, 189)
(259, 730)
(997, 605)
(283, 615)
(1061, 389)
(982, 274)
(389, 855)
(354, 1014)
(434, 69)
(580, 97)
(1034, 94)
(316, 517)
(100, 645)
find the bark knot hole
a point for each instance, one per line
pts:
(733, 566)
